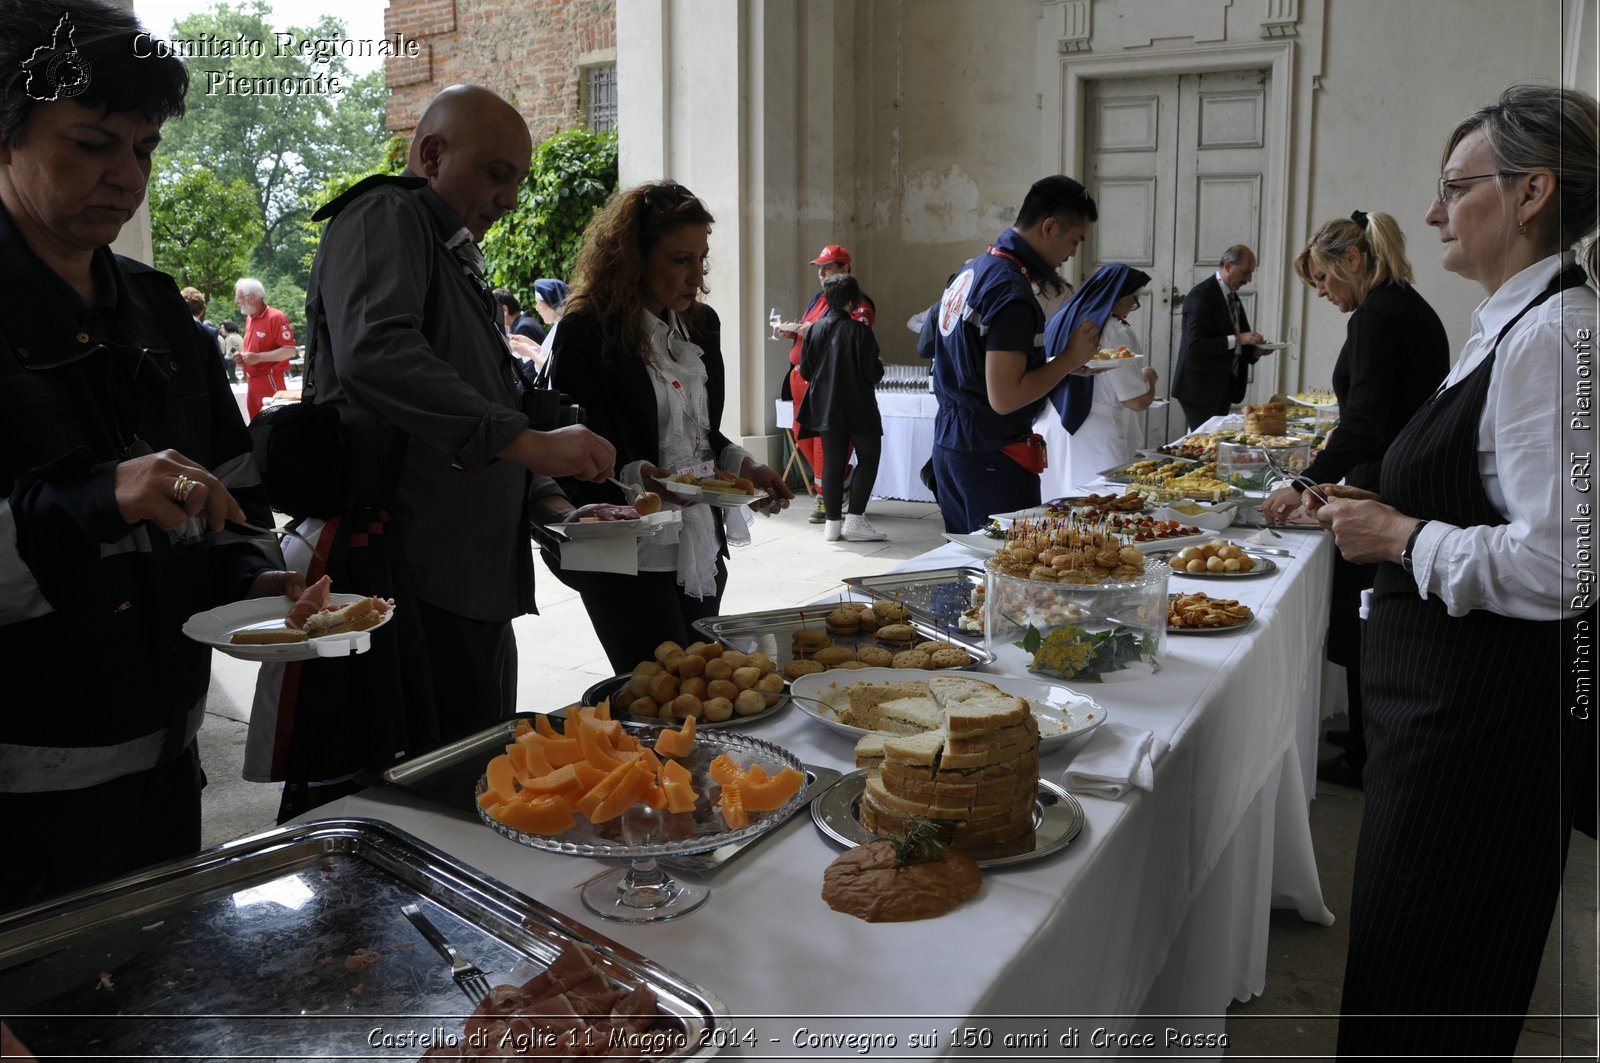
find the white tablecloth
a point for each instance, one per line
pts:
(1158, 908)
(907, 442)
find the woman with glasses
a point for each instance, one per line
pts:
(122, 459)
(642, 354)
(1394, 355)
(1477, 654)
(1091, 422)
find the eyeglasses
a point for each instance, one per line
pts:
(666, 196)
(1450, 190)
(1136, 305)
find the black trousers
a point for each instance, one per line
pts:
(474, 670)
(835, 456)
(1197, 414)
(68, 839)
(632, 615)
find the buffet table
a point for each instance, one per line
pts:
(1156, 913)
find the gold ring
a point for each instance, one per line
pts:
(182, 488)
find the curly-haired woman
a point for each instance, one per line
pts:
(640, 352)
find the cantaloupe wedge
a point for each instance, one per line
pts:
(522, 728)
(602, 790)
(770, 793)
(559, 751)
(541, 724)
(563, 782)
(679, 743)
(672, 771)
(723, 770)
(731, 805)
(597, 748)
(628, 790)
(542, 815)
(502, 777)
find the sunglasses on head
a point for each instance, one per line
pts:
(669, 195)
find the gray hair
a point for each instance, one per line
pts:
(1538, 127)
(1234, 255)
(251, 286)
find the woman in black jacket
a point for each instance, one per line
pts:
(640, 352)
(1394, 355)
(840, 361)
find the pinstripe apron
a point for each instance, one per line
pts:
(1468, 811)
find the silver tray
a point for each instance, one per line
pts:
(1057, 819)
(448, 777)
(1265, 566)
(1119, 474)
(936, 596)
(240, 952)
(771, 632)
(608, 688)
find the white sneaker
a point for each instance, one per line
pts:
(858, 530)
(831, 530)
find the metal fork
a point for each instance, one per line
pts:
(1301, 481)
(469, 978)
(280, 532)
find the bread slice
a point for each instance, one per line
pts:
(869, 750)
(867, 698)
(922, 749)
(269, 637)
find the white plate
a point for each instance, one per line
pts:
(1105, 365)
(215, 627)
(1246, 622)
(696, 493)
(1063, 714)
(1270, 346)
(977, 542)
(617, 529)
(1206, 521)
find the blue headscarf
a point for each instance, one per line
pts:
(1074, 396)
(551, 291)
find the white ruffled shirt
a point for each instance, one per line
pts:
(678, 375)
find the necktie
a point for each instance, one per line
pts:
(1235, 311)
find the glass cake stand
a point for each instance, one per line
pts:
(644, 891)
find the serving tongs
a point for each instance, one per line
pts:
(469, 979)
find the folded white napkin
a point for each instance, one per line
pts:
(1115, 757)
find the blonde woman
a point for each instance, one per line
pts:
(1395, 353)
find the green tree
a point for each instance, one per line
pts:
(280, 143)
(572, 175)
(203, 228)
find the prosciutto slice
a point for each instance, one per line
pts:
(313, 601)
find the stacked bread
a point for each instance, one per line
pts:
(1266, 419)
(958, 752)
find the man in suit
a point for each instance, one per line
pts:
(1218, 346)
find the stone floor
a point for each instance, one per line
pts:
(789, 564)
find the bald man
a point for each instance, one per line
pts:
(404, 331)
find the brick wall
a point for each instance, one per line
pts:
(526, 50)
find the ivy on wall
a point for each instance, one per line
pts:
(572, 176)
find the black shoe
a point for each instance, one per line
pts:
(1339, 771)
(1338, 738)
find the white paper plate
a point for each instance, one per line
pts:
(1270, 346)
(696, 493)
(215, 627)
(977, 542)
(1063, 713)
(1105, 365)
(617, 529)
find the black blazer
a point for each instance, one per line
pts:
(1208, 373)
(613, 387)
(1395, 354)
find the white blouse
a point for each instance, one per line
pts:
(1535, 439)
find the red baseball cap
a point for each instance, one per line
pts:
(832, 253)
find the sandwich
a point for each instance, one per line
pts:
(357, 616)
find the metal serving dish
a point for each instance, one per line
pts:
(936, 596)
(1126, 474)
(246, 951)
(448, 777)
(772, 632)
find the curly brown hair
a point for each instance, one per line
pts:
(608, 279)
